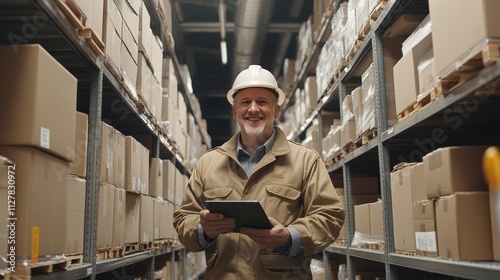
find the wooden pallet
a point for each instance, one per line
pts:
(377, 11)
(349, 148)
(366, 136)
(420, 103)
(131, 248)
(71, 10)
(110, 253)
(480, 56)
(404, 252)
(95, 43)
(26, 272)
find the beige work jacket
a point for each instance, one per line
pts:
(293, 186)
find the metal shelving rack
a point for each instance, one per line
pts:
(379, 149)
(42, 22)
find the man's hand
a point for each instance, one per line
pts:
(215, 223)
(276, 237)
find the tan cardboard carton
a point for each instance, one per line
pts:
(119, 217)
(39, 105)
(402, 209)
(406, 81)
(144, 181)
(463, 226)
(76, 215)
(424, 224)
(105, 216)
(362, 219)
(457, 25)
(132, 216)
(418, 182)
(169, 173)
(156, 218)
(41, 185)
(133, 151)
(79, 165)
(146, 227)
(118, 143)
(165, 224)
(106, 155)
(454, 169)
(156, 178)
(376, 222)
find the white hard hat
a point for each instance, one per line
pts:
(255, 76)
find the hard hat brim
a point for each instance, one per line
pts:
(281, 94)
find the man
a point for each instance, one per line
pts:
(259, 163)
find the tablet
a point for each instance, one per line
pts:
(247, 213)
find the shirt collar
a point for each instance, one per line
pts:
(268, 144)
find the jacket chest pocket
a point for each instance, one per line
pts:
(283, 202)
(218, 193)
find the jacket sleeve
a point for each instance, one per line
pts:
(187, 217)
(323, 211)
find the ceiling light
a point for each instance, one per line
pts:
(223, 52)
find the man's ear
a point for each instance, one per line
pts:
(234, 112)
(277, 111)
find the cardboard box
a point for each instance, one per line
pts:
(417, 177)
(39, 105)
(128, 67)
(169, 172)
(106, 154)
(376, 221)
(130, 17)
(112, 40)
(402, 209)
(118, 143)
(79, 165)
(406, 81)
(76, 215)
(454, 169)
(41, 184)
(133, 159)
(180, 184)
(166, 221)
(144, 179)
(132, 216)
(359, 184)
(453, 35)
(156, 178)
(97, 23)
(156, 219)
(424, 224)
(119, 217)
(362, 219)
(463, 226)
(105, 216)
(146, 227)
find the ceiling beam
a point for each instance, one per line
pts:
(214, 27)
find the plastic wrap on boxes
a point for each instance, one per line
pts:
(422, 30)
(426, 73)
(362, 15)
(350, 33)
(369, 116)
(357, 108)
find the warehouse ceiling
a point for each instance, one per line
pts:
(266, 34)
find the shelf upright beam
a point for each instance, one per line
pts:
(383, 152)
(93, 169)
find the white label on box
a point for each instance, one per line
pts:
(45, 137)
(426, 241)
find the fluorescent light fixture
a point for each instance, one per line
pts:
(222, 19)
(223, 52)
